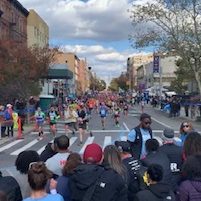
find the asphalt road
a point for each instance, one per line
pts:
(10, 150)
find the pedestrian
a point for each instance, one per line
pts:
(133, 167)
(154, 156)
(40, 118)
(38, 176)
(93, 181)
(116, 115)
(192, 145)
(139, 135)
(8, 117)
(57, 161)
(174, 154)
(185, 128)
(9, 189)
(103, 113)
(190, 188)
(155, 190)
(53, 116)
(22, 166)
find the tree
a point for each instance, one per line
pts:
(97, 84)
(113, 85)
(171, 25)
(21, 69)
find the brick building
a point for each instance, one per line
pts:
(13, 21)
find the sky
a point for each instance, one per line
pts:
(97, 30)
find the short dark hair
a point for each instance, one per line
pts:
(38, 175)
(145, 116)
(151, 145)
(62, 142)
(192, 144)
(192, 167)
(3, 196)
(155, 172)
(24, 159)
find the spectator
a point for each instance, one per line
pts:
(190, 189)
(50, 150)
(38, 175)
(133, 168)
(185, 128)
(57, 161)
(192, 145)
(9, 189)
(22, 165)
(8, 116)
(156, 190)
(156, 157)
(92, 181)
(139, 135)
(173, 152)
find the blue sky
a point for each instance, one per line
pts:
(93, 29)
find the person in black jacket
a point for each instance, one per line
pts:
(10, 187)
(94, 182)
(156, 157)
(174, 153)
(156, 190)
(139, 135)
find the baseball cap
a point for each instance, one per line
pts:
(92, 153)
(168, 134)
(123, 146)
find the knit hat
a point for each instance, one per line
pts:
(123, 146)
(168, 134)
(92, 153)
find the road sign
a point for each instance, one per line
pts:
(156, 64)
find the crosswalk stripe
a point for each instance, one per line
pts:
(24, 147)
(43, 148)
(88, 141)
(9, 145)
(107, 141)
(72, 140)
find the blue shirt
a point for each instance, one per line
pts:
(48, 197)
(145, 136)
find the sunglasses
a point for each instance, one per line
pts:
(185, 126)
(148, 122)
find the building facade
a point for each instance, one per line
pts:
(37, 30)
(13, 21)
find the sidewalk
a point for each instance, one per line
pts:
(27, 129)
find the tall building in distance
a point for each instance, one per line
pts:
(37, 30)
(13, 21)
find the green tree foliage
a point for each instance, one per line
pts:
(21, 69)
(171, 26)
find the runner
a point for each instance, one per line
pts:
(53, 116)
(116, 115)
(125, 109)
(40, 118)
(103, 114)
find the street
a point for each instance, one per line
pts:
(10, 150)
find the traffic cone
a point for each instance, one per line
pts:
(19, 131)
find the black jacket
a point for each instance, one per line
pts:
(11, 188)
(160, 159)
(156, 192)
(47, 153)
(97, 183)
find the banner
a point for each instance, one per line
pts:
(156, 64)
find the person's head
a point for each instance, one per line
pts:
(154, 173)
(3, 196)
(62, 143)
(38, 175)
(73, 160)
(151, 145)
(145, 121)
(92, 154)
(123, 147)
(52, 109)
(192, 167)
(186, 127)
(168, 135)
(39, 109)
(112, 157)
(192, 144)
(24, 159)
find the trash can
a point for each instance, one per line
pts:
(46, 101)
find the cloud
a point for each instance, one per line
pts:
(99, 20)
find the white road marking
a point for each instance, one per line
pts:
(10, 145)
(123, 138)
(161, 122)
(72, 140)
(88, 141)
(126, 127)
(24, 147)
(107, 141)
(43, 148)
